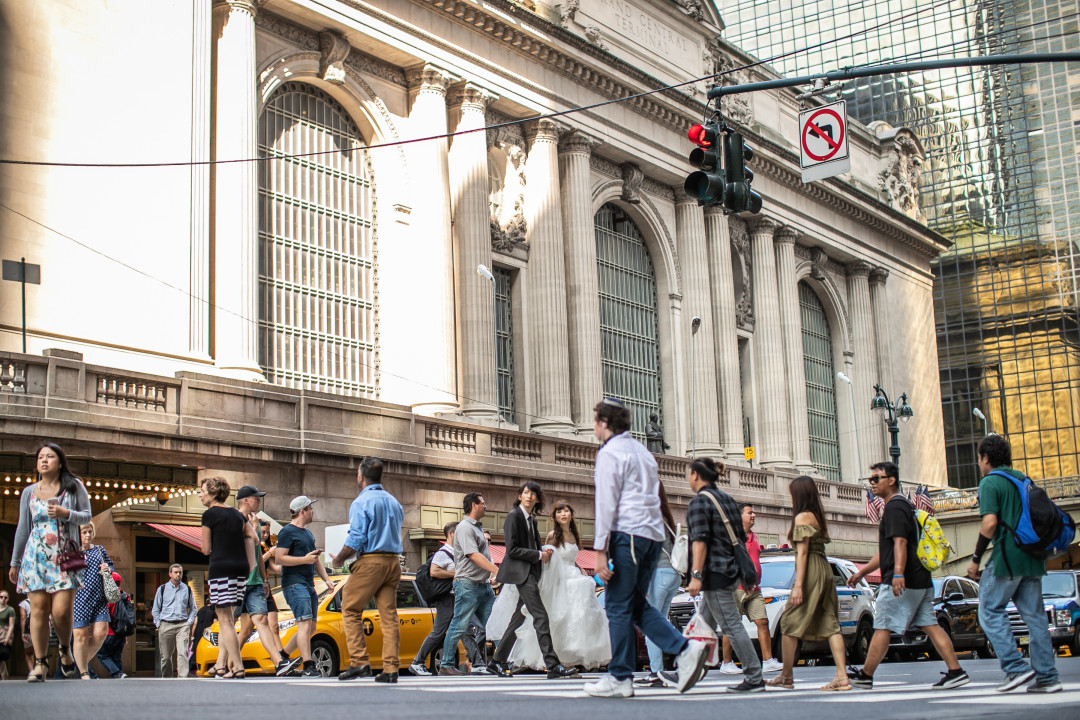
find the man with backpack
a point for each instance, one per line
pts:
(436, 583)
(906, 596)
(174, 612)
(1012, 574)
(121, 625)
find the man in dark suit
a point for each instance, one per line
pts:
(521, 567)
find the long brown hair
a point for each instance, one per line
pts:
(556, 528)
(805, 498)
(665, 507)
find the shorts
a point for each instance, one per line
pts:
(752, 605)
(914, 608)
(227, 591)
(254, 602)
(271, 603)
(302, 600)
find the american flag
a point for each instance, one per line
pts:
(923, 501)
(874, 506)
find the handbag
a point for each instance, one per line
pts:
(698, 629)
(747, 571)
(71, 557)
(680, 551)
(112, 591)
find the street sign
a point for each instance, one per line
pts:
(14, 271)
(748, 453)
(823, 141)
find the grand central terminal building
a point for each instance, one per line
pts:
(260, 228)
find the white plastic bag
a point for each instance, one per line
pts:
(698, 629)
(680, 551)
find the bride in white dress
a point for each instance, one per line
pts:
(578, 625)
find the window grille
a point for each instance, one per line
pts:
(820, 385)
(317, 300)
(504, 343)
(629, 333)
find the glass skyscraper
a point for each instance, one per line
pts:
(1001, 180)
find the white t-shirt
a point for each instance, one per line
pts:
(444, 560)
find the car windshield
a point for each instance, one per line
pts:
(1061, 585)
(777, 574)
(937, 585)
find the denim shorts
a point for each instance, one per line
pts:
(254, 602)
(913, 609)
(302, 600)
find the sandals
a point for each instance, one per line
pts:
(232, 675)
(35, 677)
(85, 676)
(218, 672)
(837, 686)
(784, 683)
(67, 670)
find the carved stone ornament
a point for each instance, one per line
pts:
(335, 49)
(567, 10)
(632, 178)
(429, 78)
(592, 34)
(818, 260)
(740, 243)
(692, 8)
(507, 200)
(734, 107)
(899, 175)
(879, 275)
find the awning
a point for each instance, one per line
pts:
(190, 535)
(586, 559)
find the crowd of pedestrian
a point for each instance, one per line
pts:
(547, 615)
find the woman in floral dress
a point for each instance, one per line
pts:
(51, 511)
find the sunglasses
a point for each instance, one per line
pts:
(875, 479)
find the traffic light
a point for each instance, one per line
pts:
(706, 185)
(738, 197)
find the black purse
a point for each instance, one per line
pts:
(747, 571)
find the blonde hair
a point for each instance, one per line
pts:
(93, 528)
(217, 487)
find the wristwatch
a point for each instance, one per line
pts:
(696, 575)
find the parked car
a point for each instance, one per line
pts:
(1061, 600)
(777, 577)
(328, 648)
(956, 607)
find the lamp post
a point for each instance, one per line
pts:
(854, 423)
(695, 325)
(483, 272)
(979, 414)
(891, 412)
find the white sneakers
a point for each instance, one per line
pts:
(730, 668)
(691, 665)
(608, 686)
(416, 669)
(772, 665)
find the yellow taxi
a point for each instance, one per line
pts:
(328, 647)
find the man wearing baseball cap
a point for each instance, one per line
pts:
(253, 610)
(299, 560)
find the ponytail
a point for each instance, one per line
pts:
(708, 469)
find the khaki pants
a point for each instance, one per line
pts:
(173, 641)
(372, 576)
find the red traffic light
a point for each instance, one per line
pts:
(701, 135)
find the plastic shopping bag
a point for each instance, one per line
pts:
(698, 629)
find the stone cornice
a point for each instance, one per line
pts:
(467, 94)
(879, 275)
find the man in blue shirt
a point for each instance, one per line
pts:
(375, 538)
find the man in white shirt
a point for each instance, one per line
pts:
(441, 567)
(629, 535)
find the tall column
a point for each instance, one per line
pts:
(697, 302)
(236, 192)
(469, 193)
(435, 373)
(880, 308)
(864, 366)
(202, 26)
(582, 284)
(547, 281)
(791, 324)
(725, 342)
(772, 388)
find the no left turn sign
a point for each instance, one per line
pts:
(823, 141)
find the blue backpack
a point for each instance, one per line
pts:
(1043, 529)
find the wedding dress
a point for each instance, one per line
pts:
(578, 625)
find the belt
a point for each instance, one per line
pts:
(379, 554)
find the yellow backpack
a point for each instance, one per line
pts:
(933, 549)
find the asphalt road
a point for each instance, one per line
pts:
(902, 692)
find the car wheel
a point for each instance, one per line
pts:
(325, 657)
(861, 646)
(986, 652)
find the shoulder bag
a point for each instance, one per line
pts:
(680, 551)
(71, 557)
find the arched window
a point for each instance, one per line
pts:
(629, 334)
(820, 385)
(317, 319)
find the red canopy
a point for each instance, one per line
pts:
(586, 559)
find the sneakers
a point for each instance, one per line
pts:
(1015, 680)
(1051, 687)
(691, 665)
(952, 679)
(730, 668)
(287, 665)
(561, 672)
(419, 670)
(311, 672)
(860, 680)
(772, 665)
(650, 680)
(747, 687)
(480, 670)
(608, 686)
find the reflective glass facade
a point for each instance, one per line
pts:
(1000, 181)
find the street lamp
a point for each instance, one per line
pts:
(890, 413)
(695, 325)
(483, 272)
(979, 414)
(854, 423)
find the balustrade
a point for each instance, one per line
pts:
(448, 437)
(514, 446)
(126, 392)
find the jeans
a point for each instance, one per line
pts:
(470, 598)
(634, 559)
(444, 613)
(110, 654)
(662, 589)
(1026, 593)
(718, 607)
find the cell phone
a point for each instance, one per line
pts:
(53, 501)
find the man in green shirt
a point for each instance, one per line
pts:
(1011, 576)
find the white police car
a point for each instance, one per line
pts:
(777, 577)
